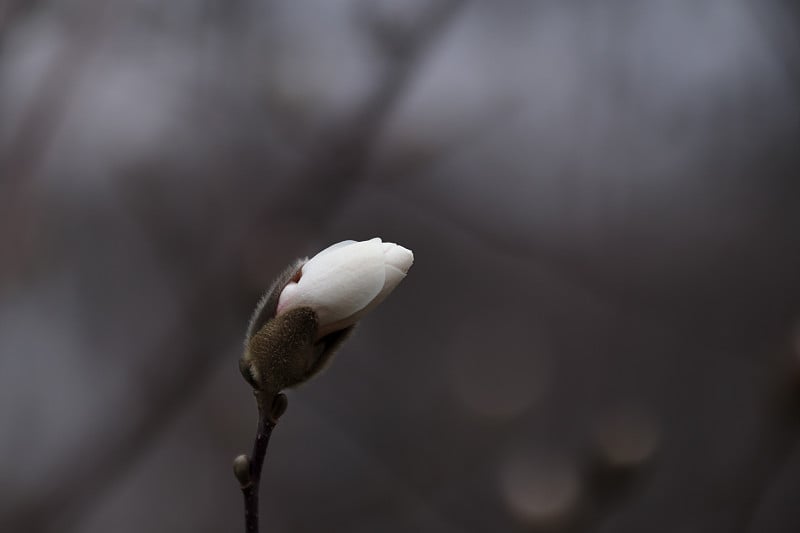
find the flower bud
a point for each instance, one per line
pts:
(345, 281)
(313, 306)
(241, 469)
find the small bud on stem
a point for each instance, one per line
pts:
(241, 469)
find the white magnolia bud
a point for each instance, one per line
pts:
(312, 307)
(345, 281)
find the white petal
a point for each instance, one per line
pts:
(394, 276)
(332, 247)
(287, 297)
(339, 282)
(397, 256)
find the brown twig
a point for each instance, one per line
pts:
(248, 469)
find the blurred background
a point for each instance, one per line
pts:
(601, 332)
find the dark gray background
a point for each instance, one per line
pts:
(600, 331)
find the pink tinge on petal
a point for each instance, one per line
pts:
(287, 296)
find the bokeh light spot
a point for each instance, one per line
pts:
(540, 488)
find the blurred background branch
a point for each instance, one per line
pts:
(187, 354)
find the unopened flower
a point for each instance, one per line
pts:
(312, 307)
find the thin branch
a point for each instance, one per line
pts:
(250, 490)
(248, 469)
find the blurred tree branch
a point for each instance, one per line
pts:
(38, 123)
(337, 163)
(778, 21)
(192, 348)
